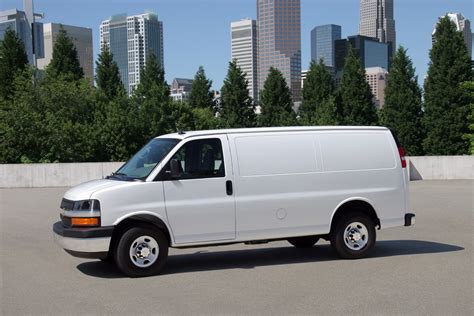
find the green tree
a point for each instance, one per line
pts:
(108, 75)
(157, 113)
(327, 113)
(13, 59)
(68, 117)
(446, 102)
(64, 60)
(469, 88)
(356, 106)
(201, 95)
(275, 101)
(21, 121)
(402, 111)
(117, 127)
(236, 109)
(317, 89)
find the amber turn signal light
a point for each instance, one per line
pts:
(85, 221)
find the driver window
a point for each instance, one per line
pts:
(201, 159)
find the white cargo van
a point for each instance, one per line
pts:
(240, 186)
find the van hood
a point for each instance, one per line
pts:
(85, 190)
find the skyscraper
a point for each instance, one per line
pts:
(279, 41)
(81, 38)
(371, 52)
(377, 20)
(377, 78)
(462, 25)
(28, 30)
(323, 43)
(244, 51)
(131, 39)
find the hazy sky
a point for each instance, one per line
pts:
(197, 32)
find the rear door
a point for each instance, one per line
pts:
(200, 204)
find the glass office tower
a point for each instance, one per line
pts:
(131, 39)
(323, 43)
(31, 34)
(279, 41)
(371, 52)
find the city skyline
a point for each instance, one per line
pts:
(185, 31)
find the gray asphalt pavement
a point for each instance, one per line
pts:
(426, 269)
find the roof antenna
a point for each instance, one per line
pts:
(181, 132)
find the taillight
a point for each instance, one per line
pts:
(401, 152)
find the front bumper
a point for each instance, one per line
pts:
(409, 219)
(84, 242)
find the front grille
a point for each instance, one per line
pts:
(67, 205)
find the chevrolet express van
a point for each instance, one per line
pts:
(257, 185)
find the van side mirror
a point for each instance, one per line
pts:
(175, 169)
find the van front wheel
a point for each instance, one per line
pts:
(141, 251)
(353, 236)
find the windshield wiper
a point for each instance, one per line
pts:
(119, 174)
(114, 174)
(124, 175)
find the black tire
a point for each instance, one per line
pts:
(122, 253)
(304, 242)
(337, 237)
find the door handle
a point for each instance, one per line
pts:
(228, 187)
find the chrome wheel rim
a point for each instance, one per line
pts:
(356, 236)
(144, 251)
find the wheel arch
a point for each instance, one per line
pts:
(140, 219)
(355, 204)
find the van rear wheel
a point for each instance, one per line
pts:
(353, 236)
(304, 242)
(141, 251)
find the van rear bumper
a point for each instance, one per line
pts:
(409, 219)
(83, 242)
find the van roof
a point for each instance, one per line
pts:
(186, 134)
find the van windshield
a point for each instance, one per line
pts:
(145, 160)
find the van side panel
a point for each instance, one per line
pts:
(364, 164)
(274, 184)
(290, 184)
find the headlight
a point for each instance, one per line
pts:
(85, 213)
(86, 205)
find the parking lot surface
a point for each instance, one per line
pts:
(425, 269)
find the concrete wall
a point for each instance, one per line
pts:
(441, 167)
(53, 174)
(70, 174)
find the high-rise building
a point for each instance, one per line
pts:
(462, 25)
(244, 51)
(377, 79)
(279, 41)
(472, 50)
(131, 39)
(81, 38)
(377, 20)
(323, 40)
(27, 28)
(371, 52)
